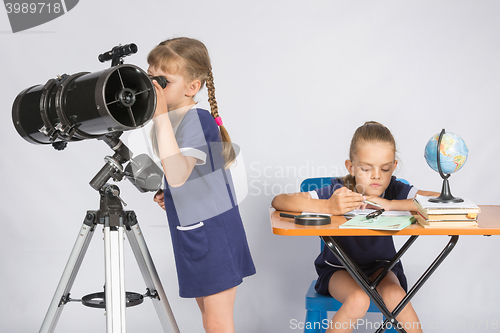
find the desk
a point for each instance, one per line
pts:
(488, 221)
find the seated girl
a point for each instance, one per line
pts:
(372, 160)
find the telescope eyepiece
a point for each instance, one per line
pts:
(162, 81)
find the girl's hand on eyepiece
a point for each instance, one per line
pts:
(161, 101)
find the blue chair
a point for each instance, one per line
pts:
(317, 306)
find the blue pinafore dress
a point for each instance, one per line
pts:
(209, 241)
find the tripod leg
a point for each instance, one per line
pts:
(61, 296)
(115, 277)
(150, 275)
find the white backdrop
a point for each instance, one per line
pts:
(294, 80)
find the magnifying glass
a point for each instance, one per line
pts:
(309, 219)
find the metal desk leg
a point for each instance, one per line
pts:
(416, 287)
(356, 273)
(370, 288)
(394, 260)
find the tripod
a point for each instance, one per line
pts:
(116, 222)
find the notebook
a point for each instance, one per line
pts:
(392, 223)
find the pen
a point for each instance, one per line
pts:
(372, 203)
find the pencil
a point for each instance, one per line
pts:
(372, 203)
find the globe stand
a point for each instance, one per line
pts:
(445, 195)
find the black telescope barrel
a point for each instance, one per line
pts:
(85, 105)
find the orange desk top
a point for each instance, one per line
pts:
(488, 220)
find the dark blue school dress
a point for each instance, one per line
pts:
(210, 246)
(369, 252)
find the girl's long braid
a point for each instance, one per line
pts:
(211, 94)
(228, 150)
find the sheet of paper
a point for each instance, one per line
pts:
(426, 204)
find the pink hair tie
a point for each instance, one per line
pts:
(218, 120)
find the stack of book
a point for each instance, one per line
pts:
(446, 215)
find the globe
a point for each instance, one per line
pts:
(452, 153)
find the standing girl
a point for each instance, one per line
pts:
(372, 160)
(210, 247)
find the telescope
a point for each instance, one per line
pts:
(86, 105)
(99, 105)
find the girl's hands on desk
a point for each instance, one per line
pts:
(384, 203)
(405, 204)
(344, 200)
(341, 202)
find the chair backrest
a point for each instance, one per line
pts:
(311, 184)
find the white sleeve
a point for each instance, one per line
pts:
(200, 156)
(314, 194)
(413, 192)
(190, 137)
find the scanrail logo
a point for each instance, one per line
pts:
(31, 13)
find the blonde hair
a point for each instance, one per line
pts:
(371, 131)
(189, 57)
